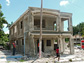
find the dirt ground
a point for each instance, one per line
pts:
(6, 57)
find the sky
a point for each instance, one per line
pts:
(13, 9)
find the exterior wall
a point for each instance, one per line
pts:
(19, 32)
(17, 35)
(49, 49)
(77, 40)
(49, 23)
(29, 45)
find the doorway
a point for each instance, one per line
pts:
(38, 45)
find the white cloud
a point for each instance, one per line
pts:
(8, 2)
(63, 3)
(5, 25)
(7, 32)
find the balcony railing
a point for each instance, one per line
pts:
(50, 32)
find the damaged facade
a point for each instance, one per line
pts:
(28, 26)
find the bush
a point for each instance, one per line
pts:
(46, 62)
(7, 46)
(79, 44)
(70, 60)
(21, 60)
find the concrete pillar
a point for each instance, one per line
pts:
(71, 46)
(19, 44)
(44, 45)
(26, 46)
(70, 24)
(62, 25)
(30, 46)
(35, 41)
(58, 23)
(63, 40)
(32, 22)
(60, 43)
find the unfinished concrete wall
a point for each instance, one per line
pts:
(50, 24)
(48, 49)
(29, 45)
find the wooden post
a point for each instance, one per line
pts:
(40, 40)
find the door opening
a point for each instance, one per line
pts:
(38, 45)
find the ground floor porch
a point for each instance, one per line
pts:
(49, 44)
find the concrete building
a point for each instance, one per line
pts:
(77, 39)
(52, 29)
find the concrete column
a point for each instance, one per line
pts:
(60, 44)
(71, 46)
(30, 19)
(44, 45)
(62, 25)
(35, 41)
(52, 44)
(32, 22)
(63, 40)
(70, 24)
(31, 45)
(58, 23)
(24, 25)
(19, 45)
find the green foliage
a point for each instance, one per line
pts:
(70, 60)
(46, 62)
(78, 44)
(3, 36)
(8, 61)
(9, 24)
(21, 60)
(79, 29)
(75, 30)
(56, 40)
(6, 46)
(66, 40)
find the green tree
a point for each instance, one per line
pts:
(8, 26)
(2, 21)
(75, 30)
(79, 29)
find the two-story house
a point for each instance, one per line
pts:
(28, 26)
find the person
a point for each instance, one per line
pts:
(57, 53)
(38, 47)
(14, 48)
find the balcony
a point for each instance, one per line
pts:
(51, 32)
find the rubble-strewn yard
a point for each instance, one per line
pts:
(65, 58)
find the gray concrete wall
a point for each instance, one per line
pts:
(29, 45)
(20, 47)
(49, 24)
(48, 49)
